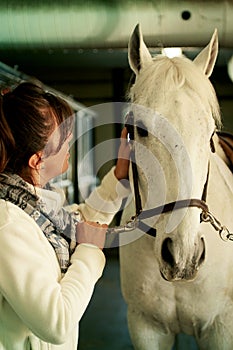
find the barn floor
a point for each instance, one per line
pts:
(104, 325)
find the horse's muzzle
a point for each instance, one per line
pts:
(177, 267)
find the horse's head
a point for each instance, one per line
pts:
(175, 115)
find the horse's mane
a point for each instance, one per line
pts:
(167, 77)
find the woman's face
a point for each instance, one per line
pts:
(54, 164)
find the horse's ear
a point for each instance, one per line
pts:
(207, 57)
(138, 52)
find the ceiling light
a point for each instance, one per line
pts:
(172, 51)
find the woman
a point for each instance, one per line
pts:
(50, 258)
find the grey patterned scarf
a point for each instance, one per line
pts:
(58, 227)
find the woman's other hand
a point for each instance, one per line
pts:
(122, 165)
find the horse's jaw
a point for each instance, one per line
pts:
(183, 268)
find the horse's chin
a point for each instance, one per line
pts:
(186, 275)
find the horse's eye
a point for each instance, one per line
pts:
(212, 146)
(141, 129)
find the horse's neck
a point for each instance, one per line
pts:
(219, 151)
(220, 190)
(221, 172)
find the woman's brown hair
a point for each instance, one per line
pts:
(28, 116)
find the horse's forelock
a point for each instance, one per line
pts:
(165, 76)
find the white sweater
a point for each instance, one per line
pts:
(40, 310)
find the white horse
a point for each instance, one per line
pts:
(181, 281)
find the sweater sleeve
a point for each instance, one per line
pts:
(105, 201)
(31, 283)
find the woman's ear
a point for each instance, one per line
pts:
(35, 161)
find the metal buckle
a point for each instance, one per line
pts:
(131, 225)
(223, 231)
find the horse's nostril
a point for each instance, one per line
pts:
(166, 252)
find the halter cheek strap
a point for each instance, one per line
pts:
(130, 128)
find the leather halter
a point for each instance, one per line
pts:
(141, 214)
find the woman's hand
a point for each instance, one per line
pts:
(92, 233)
(122, 165)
